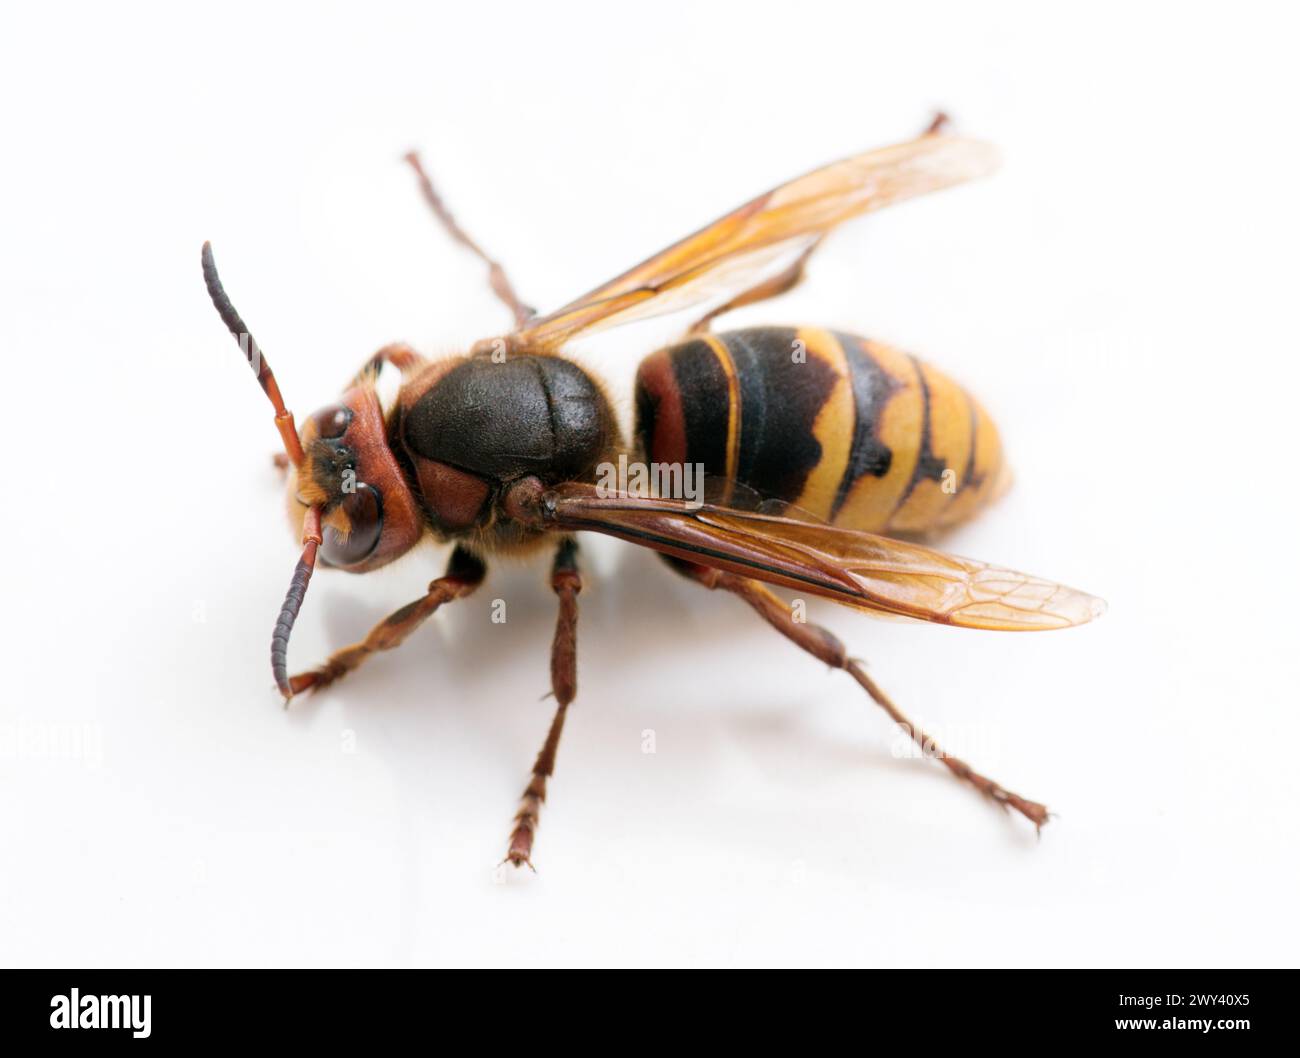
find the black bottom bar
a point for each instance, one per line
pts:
(336, 1007)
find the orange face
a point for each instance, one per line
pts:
(369, 516)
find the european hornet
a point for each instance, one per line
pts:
(814, 445)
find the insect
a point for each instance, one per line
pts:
(814, 444)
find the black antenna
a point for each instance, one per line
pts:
(265, 376)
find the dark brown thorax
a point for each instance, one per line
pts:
(468, 427)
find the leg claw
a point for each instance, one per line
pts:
(518, 859)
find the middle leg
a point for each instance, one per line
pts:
(497, 278)
(566, 582)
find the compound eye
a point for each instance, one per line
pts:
(332, 422)
(365, 511)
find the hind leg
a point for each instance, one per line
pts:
(778, 284)
(824, 646)
(793, 274)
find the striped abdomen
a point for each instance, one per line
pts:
(850, 430)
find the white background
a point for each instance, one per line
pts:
(1120, 296)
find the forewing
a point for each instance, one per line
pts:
(858, 569)
(756, 240)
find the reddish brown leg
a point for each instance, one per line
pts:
(769, 288)
(566, 582)
(465, 572)
(823, 645)
(496, 274)
(398, 354)
(792, 276)
(938, 123)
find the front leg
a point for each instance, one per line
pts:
(566, 582)
(465, 572)
(399, 354)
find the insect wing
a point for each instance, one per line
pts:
(857, 569)
(764, 235)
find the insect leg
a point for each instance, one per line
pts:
(826, 647)
(769, 288)
(566, 582)
(938, 124)
(400, 355)
(496, 274)
(792, 276)
(465, 572)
